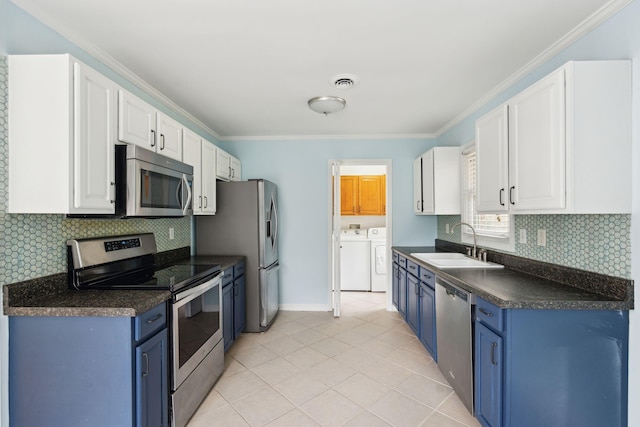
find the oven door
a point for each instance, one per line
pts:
(196, 327)
(153, 190)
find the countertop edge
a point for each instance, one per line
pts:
(575, 304)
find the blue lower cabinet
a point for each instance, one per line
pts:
(89, 371)
(402, 292)
(152, 381)
(395, 284)
(427, 318)
(228, 334)
(238, 305)
(413, 290)
(488, 376)
(551, 367)
(233, 303)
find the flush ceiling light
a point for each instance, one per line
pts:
(326, 104)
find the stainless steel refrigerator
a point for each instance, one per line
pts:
(246, 223)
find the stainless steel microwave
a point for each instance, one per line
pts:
(151, 185)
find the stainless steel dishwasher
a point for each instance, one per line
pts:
(454, 326)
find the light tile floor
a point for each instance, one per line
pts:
(365, 368)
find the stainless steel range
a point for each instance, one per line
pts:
(196, 348)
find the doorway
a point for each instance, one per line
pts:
(353, 211)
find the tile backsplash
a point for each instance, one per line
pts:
(597, 243)
(35, 245)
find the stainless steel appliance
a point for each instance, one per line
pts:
(150, 184)
(454, 329)
(196, 347)
(246, 223)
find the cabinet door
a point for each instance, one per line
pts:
(152, 386)
(236, 169)
(136, 121)
(94, 139)
(383, 193)
(413, 289)
(537, 145)
(169, 137)
(369, 195)
(402, 292)
(428, 183)
(227, 316)
(208, 178)
(238, 306)
(348, 195)
(417, 186)
(427, 318)
(395, 284)
(488, 376)
(191, 148)
(492, 161)
(223, 165)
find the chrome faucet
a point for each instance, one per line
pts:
(473, 253)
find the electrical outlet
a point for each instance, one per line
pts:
(171, 234)
(446, 228)
(523, 236)
(542, 237)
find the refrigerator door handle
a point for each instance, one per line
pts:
(274, 236)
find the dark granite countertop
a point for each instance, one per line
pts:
(50, 295)
(526, 283)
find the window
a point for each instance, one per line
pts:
(492, 230)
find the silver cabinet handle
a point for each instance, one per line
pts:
(500, 197)
(200, 201)
(154, 318)
(146, 362)
(162, 141)
(494, 346)
(206, 203)
(511, 195)
(486, 313)
(153, 137)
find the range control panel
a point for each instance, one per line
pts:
(118, 245)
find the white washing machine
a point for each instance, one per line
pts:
(378, 238)
(355, 263)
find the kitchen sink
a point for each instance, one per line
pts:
(454, 260)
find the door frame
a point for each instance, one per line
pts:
(389, 222)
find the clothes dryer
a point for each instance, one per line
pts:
(378, 238)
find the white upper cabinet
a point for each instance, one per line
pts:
(492, 161)
(141, 124)
(563, 145)
(169, 137)
(436, 182)
(228, 168)
(201, 154)
(208, 177)
(62, 131)
(136, 121)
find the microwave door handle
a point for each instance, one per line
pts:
(186, 185)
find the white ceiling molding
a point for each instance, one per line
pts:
(587, 25)
(376, 137)
(110, 62)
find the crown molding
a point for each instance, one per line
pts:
(597, 18)
(108, 60)
(412, 136)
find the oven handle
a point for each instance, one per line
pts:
(196, 291)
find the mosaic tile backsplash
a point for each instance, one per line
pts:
(597, 243)
(35, 245)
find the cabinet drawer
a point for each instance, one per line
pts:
(402, 261)
(150, 321)
(427, 276)
(396, 257)
(227, 276)
(238, 270)
(413, 268)
(490, 315)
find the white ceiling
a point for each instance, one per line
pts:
(246, 68)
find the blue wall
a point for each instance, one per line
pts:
(301, 170)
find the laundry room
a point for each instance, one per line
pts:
(363, 219)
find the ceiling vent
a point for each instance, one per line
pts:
(344, 81)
